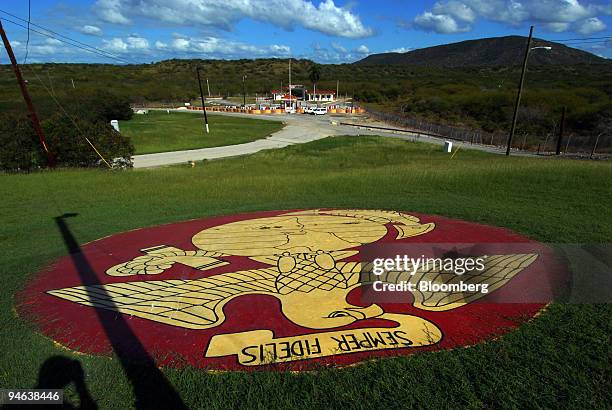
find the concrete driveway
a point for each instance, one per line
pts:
(298, 129)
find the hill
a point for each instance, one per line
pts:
(486, 52)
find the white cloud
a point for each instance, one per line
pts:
(456, 9)
(362, 49)
(53, 42)
(111, 11)
(440, 23)
(115, 45)
(47, 50)
(590, 25)
(90, 30)
(399, 50)
(338, 48)
(137, 43)
(455, 16)
(160, 45)
(132, 43)
(557, 27)
(214, 47)
(326, 18)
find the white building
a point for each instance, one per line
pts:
(300, 93)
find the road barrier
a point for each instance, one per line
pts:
(269, 111)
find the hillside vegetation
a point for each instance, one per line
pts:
(481, 96)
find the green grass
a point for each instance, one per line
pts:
(560, 359)
(161, 132)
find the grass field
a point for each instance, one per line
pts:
(560, 359)
(160, 132)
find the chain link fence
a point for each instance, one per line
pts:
(591, 146)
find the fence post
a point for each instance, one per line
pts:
(595, 146)
(567, 145)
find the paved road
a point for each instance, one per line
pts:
(299, 129)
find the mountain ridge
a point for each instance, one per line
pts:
(493, 51)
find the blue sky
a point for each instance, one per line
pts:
(328, 31)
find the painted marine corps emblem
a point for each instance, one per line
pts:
(309, 262)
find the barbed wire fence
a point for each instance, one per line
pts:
(597, 146)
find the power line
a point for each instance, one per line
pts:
(585, 38)
(76, 125)
(25, 59)
(68, 40)
(61, 35)
(588, 42)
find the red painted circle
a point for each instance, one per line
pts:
(96, 331)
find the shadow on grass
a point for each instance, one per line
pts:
(151, 389)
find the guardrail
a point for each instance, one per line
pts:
(589, 146)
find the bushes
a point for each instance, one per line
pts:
(101, 106)
(19, 145)
(21, 150)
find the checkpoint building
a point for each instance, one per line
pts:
(301, 93)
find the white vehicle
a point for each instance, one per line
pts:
(290, 110)
(319, 111)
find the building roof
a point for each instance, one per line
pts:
(306, 90)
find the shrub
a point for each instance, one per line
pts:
(102, 107)
(20, 149)
(70, 148)
(19, 146)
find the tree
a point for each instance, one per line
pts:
(315, 75)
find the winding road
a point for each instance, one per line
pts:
(298, 129)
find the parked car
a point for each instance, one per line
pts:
(319, 111)
(290, 110)
(308, 109)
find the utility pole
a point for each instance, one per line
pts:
(337, 87)
(208, 87)
(520, 90)
(203, 102)
(244, 90)
(27, 99)
(561, 130)
(290, 100)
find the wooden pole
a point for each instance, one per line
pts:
(203, 101)
(27, 99)
(561, 129)
(520, 90)
(244, 90)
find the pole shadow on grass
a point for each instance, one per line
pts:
(151, 389)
